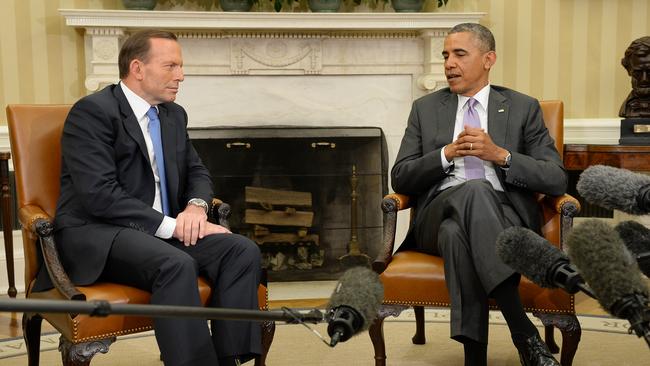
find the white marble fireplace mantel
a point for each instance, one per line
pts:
(221, 43)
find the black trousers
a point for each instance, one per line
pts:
(169, 270)
(461, 224)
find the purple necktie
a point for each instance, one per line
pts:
(473, 166)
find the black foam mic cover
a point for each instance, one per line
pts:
(536, 258)
(615, 189)
(529, 254)
(636, 238)
(354, 303)
(598, 251)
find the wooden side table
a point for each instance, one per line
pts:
(7, 222)
(579, 157)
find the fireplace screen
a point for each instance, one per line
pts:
(309, 197)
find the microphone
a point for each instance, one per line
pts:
(615, 189)
(539, 260)
(636, 238)
(354, 304)
(599, 253)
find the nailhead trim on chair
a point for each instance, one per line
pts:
(37, 217)
(75, 329)
(446, 305)
(76, 340)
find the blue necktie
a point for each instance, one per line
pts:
(473, 166)
(158, 156)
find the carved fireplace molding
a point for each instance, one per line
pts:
(277, 43)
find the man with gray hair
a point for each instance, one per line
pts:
(473, 155)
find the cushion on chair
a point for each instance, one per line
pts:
(84, 328)
(414, 278)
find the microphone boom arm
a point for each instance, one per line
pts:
(103, 308)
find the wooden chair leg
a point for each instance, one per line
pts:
(419, 337)
(81, 354)
(268, 332)
(32, 336)
(571, 333)
(549, 338)
(376, 332)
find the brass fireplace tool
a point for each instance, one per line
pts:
(354, 257)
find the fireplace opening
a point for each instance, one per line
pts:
(310, 197)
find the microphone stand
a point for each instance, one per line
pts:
(102, 308)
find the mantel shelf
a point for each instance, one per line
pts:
(264, 20)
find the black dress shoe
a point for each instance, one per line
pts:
(534, 352)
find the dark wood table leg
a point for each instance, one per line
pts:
(7, 222)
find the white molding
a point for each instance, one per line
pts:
(264, 20)
(604, 131)
(597, 131)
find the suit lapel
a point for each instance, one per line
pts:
(168, 134)
(498, 110)
(130, 123)
(449, 106)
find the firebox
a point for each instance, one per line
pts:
(309, 197)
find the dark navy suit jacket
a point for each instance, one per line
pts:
(107, 183)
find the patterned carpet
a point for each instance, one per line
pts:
(604, 342)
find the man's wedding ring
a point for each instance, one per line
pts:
(471, 146)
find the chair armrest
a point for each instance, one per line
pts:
(34, 219)
(565, 205)
(219, 213)
(401, 201)
(391, 204)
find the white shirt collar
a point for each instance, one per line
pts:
(481, 97)
(138, 105)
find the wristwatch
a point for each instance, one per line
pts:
(198, 202)
(506, 161)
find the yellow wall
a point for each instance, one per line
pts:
(551, 49)
(41, 59)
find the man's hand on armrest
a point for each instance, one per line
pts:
(192, 224)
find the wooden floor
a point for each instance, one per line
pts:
(10, 323)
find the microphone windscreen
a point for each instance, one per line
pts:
(612, 188)
(360, 289)
(529, 254)
(635, 235)
(609, 269)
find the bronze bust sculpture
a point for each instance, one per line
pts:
(637, 64)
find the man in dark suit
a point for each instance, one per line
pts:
(133, 212)
(473, 155)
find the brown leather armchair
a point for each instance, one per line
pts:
(415, 279)
(35, 134)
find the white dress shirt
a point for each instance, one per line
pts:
(140, 108)
(458, 175)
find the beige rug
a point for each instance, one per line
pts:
(604, 342)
